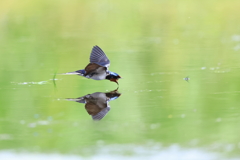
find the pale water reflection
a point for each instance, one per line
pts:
(122, 152)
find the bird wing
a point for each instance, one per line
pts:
(99, 57)
(101, 114)
(91, 67)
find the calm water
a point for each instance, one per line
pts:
(154, 46)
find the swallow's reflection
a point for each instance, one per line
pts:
(97, 104)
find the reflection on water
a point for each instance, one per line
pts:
(153, 45)
(97, 104)
(126, 152)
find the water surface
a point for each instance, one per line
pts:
(154, 46)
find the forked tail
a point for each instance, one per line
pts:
(78, 72)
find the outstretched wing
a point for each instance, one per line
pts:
(99, 57)
(101, 114)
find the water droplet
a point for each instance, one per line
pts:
(35, 134)
(212, 68)
(32, 125)
(22, 122)
(218, 120)
(154, 126)
(43, 122)
(236, 37)
(36, 116)
(49, 130)
(50, 118)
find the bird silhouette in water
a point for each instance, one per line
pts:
(97, 104)
(97, 69)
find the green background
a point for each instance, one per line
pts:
(152, 44)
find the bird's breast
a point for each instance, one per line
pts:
(99, 74)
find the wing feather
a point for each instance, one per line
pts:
(99, 57)
(101, 114)
(91, 67)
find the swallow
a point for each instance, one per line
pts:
(97, 69)
(97, 104)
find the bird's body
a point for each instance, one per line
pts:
(97, 69)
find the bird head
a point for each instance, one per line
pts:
(113, 77)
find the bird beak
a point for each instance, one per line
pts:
(114, 80)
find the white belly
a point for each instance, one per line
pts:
(100, 74)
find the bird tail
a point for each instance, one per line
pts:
(72, 99)
(79, 100)
(71, 73)
(78, 72)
